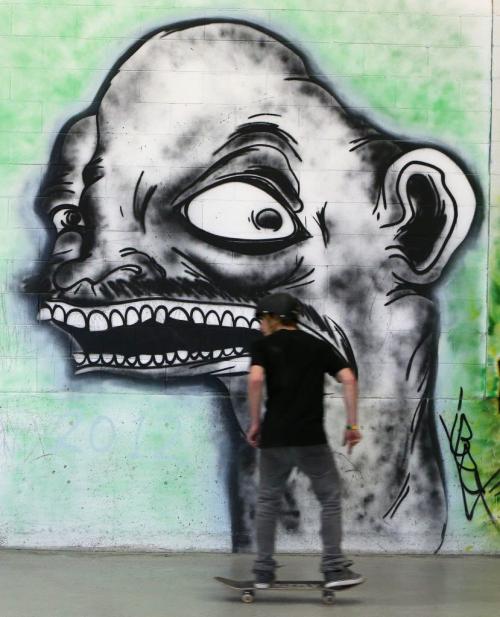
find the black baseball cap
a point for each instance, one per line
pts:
(280, 304)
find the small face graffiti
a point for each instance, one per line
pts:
(214, 168)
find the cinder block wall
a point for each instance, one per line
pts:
(164, 164)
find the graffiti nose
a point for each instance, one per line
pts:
(88, 276)
(81, 276)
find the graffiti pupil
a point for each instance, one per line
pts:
(73, 219)
(269, 219)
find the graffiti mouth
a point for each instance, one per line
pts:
(153, 334)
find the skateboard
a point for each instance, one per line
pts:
(248, 591)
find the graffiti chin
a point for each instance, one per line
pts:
(213, 168)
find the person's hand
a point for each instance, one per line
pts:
(351, 438)
(253, 435)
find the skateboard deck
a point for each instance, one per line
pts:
(248, 591)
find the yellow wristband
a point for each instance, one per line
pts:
(352, 427)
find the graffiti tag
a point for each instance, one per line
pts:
(473, 490)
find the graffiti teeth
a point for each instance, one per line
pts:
(116, 319)
(227, 320)
(76, 319)
(147, 318)
(212, 319)
(152, 361)
(132, 316)
(179, 313)
(97, 322)
(44, 314)
(58, 314)
(241, 322)
(197, 316)
(161, 314)
(79, 358)
(146, 313)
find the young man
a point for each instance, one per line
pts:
(293, 364)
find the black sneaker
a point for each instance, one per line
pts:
(339, 578)
(263, 579)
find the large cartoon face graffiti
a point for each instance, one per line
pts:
(214, 168)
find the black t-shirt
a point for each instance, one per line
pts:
(295, 364)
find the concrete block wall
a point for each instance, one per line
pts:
(164, 164)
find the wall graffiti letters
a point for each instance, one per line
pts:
(474, 491)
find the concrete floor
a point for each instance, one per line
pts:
(101, 584)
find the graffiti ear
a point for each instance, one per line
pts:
(430, 203)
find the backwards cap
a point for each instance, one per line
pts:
(280, 304)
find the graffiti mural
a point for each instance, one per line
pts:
(214, 167)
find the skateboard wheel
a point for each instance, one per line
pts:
(247, 597)
(328, 597)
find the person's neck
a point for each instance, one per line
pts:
(283, 327)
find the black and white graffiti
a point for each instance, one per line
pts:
(213, 167)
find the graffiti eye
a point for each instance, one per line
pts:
(67, 218)
(240, 212)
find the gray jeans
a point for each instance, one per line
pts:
(318, 464)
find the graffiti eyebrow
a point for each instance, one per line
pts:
(320, 219)
(271, 128)
(259, 115)
(363, 141)
(140, 201)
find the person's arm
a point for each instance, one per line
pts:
(255, 387)
(352, 435)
